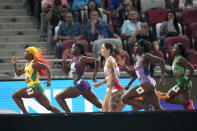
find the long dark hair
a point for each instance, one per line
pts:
(175, 22)
(146, 44)
(113, 48)
(183, 52)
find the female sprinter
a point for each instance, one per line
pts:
(146, 89)
(184, 83)
(112, 100)
(35, 65)
(81, 86)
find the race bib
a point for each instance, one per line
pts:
(140, 90)
(30, 91)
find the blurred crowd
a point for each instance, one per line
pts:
(121, 22)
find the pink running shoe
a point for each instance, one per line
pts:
(191, 105)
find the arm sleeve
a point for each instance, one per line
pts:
(90, 35)
(124, 26)
(60, 31)
(111, 33)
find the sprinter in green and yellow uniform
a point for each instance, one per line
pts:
(184, 83)
(34, 67)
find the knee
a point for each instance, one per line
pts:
(49, 107)
(124, 99)
(58, 97)
(99, 105)
(14, 96)
(105, 109)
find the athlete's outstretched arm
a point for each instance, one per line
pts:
(39, 66)
(130, 82)
(18, 72)
(97, 84)
(131, 72)
(66, 65)
(156, 60)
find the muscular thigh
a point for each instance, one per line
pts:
(27, 92)
(70, 92)
(116, 96)
(140, 90)
(115, 100)
(185, 95)
(89, 94)
(174, 91)
(43, 100)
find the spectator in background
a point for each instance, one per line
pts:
(53, 14)
(80, 5)
(131, 27)
(146, 34)
(92, 6)
(170, 27)
(68, 30)
(187, 4)
(97, 29)
(121, 13)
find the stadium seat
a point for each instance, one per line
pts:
(67, 45)
(98, 44)
(125, 56)
(158, 25)
(158, 54)
(192, 58)
(193, 29)
(157, 16)
(194, 40)
(188, 16)
(193, 34)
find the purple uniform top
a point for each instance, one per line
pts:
(80, 83)
(75, 68)
(142, 72)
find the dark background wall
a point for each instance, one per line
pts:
(123, 121)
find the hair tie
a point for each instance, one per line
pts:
(114, 46)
